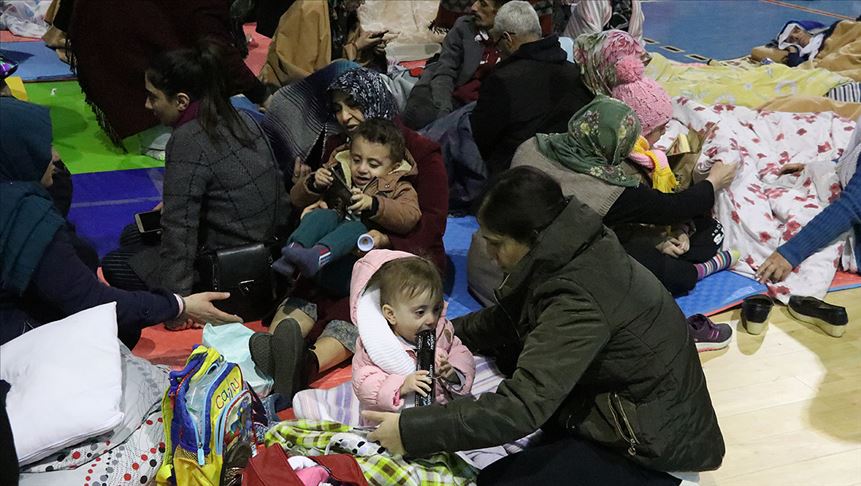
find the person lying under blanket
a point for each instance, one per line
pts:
(802, 40)
(811, 44)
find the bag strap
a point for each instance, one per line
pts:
(279, 185)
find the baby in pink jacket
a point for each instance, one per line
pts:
(394, 296)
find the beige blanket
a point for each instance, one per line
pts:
(813, 104)
(841, 52)
(410, 19)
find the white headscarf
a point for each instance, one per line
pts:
(812, 47)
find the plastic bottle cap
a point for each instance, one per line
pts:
(365, 243)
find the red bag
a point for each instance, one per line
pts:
(270, 468)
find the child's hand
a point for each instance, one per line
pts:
(316, 205)
(447, 372)
(361, 202)
(381, 240)
(323, 178)
(419, 382)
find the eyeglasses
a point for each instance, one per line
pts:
(496, 36)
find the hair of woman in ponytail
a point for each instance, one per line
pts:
(199, 73)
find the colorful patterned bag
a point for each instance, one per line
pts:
(208, 418)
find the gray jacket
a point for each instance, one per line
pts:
(431, 97)
(215, 196)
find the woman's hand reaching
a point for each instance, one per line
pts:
(200, 309)
(388, 433)
(721, 175)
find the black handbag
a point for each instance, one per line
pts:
(246, 271)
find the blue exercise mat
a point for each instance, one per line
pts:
(712, 294)
(718, 292)
(105, 202)
(36, 62)
(458, 235)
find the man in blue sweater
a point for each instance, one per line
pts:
(841, 216)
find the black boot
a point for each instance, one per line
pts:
(280, 355)
(311, 370)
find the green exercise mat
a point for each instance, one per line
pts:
(79, 139)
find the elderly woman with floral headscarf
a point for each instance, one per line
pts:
(591, 162)
(319, 311)
(597, 55)
(313, 33)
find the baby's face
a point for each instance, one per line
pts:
(799, 36)
(408, 317)
(369, 160)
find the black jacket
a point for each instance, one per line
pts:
(593, 345)
(535, 90)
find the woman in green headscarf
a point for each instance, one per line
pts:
(600, 137)
(590, 161)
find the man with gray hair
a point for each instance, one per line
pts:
(534, 89)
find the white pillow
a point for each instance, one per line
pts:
(66, 382)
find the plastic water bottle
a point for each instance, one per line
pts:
(365, 243)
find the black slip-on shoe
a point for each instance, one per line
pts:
(754, 313)
(830, 318)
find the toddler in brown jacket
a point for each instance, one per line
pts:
(364, 186)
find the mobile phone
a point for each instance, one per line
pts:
(149, 221)
(425, 356)
(338, 197)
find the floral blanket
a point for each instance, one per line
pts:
(762, 209)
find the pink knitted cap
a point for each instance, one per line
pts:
(648, 100)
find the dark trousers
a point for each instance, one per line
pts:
(571, 461)
(420, 109)
(115, 265)
(679, 275)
